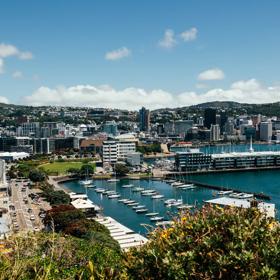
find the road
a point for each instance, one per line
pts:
(22, 221)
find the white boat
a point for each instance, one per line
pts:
(100, 190)
(176, 202)
(246, 195)
(156, 219)
(138, 207)
(164, 223)
(114, 196)
(235, 195)
(86, 182)
(138, 189)
(141, 210)
(147, 191)
(170, 200)
(109, 192)
(185, 186)
(170, 181)
(91, 186)
(225, 192)
(123, 199)
(113, 180)
(185, 207)
(176, 184)
(151, 214)
(129, 201)
(157, 196)
(127, 186)
(133, 204)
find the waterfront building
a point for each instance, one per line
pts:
(245, 160)
(144, 119)
(265, 131)
(192, 160)
(215, 132)
(209, 117)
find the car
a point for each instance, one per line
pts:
(36, 229)
(29, 210)
(32, 217)
(42, 215)
(14, 214)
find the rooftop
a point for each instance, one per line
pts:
(268, 208)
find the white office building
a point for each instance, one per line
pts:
(214, 132)
(110, 152)
(117, 149)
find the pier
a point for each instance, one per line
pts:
(123, 235)
(222, 188)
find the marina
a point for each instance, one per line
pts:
(193, 189)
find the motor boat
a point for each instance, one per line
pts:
(114, 196)
(151, 214)
(138, 207)
(127, 186)
(156, 219)
(158, 196)
(100, 190)
(142, 210)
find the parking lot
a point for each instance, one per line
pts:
(26, 209)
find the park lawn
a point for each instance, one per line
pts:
(62, 167)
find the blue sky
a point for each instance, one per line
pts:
(236, 42)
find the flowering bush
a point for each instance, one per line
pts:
(213, 243)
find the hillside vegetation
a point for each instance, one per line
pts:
(213, 243)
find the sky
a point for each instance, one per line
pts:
(128, 54)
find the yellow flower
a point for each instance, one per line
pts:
(271, 225)
(171, 229)
(183, 219)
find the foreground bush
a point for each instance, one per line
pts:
(54, 256)
(211, 244)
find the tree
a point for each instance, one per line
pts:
(61, 216)
(37, 175)
(86, 169)
(55, 197)
(121, 169)
(73, 171)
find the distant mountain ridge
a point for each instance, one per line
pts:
(269, 109)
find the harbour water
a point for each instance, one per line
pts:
(266, 181)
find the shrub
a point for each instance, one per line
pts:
(211, 244)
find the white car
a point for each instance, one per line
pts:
(32, 217)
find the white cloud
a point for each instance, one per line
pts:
(118, 54)
(189, 35)
(4, 100)
(7, 50)
(168, 41)
(17, 75)
(1, 66)
(250, 91)
(211, 74)
(25, 55)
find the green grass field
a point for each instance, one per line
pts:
(62, 167)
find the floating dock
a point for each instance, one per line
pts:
(123, 235)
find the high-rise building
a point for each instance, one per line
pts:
(144, 119)
(223, 120)
(265, 131)
(209, 117)
(215, 132)
(111, 128)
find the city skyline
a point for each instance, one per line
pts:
(128, 55)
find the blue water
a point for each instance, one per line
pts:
(267, 182)
(125, 214)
